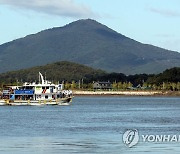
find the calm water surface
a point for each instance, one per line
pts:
(90, 125)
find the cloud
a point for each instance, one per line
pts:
(165, 12)
(67, 8)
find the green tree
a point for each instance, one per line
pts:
(67, 85)
(178, 86)
(125, 85)
(120, 85)
(174, 86)
(73, 85)
(115, 86)
(155, 87)
(145, 84)
(130, 85)
(89, 86)
(165, 86)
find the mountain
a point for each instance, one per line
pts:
(90, 43)
(58, 71)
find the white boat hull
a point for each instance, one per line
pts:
(62, 101)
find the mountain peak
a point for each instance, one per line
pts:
(87, 42)
(87, 20)
(85, 23)
(91, 25)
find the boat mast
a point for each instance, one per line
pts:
(41, 78)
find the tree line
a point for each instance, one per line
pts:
(76, 76)
(168, 80)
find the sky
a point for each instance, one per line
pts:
(155, 22)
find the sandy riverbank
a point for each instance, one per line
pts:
(126, 93)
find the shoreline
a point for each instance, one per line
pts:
(126, 93)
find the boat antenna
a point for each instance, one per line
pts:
(45, 76)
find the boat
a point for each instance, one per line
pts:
(36, 94)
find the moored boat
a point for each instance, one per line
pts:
(36, 94)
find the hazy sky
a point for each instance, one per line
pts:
(154, 22)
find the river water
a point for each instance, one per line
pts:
(90, 125)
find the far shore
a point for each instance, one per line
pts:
(125, 93)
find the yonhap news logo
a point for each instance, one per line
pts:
(132, 137)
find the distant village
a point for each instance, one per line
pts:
(115, 86)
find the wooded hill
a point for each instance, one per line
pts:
(72, 72)
(58, 71)
(169, 75)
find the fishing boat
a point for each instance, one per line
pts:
(36, 94)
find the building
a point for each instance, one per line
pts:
(102, 85)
